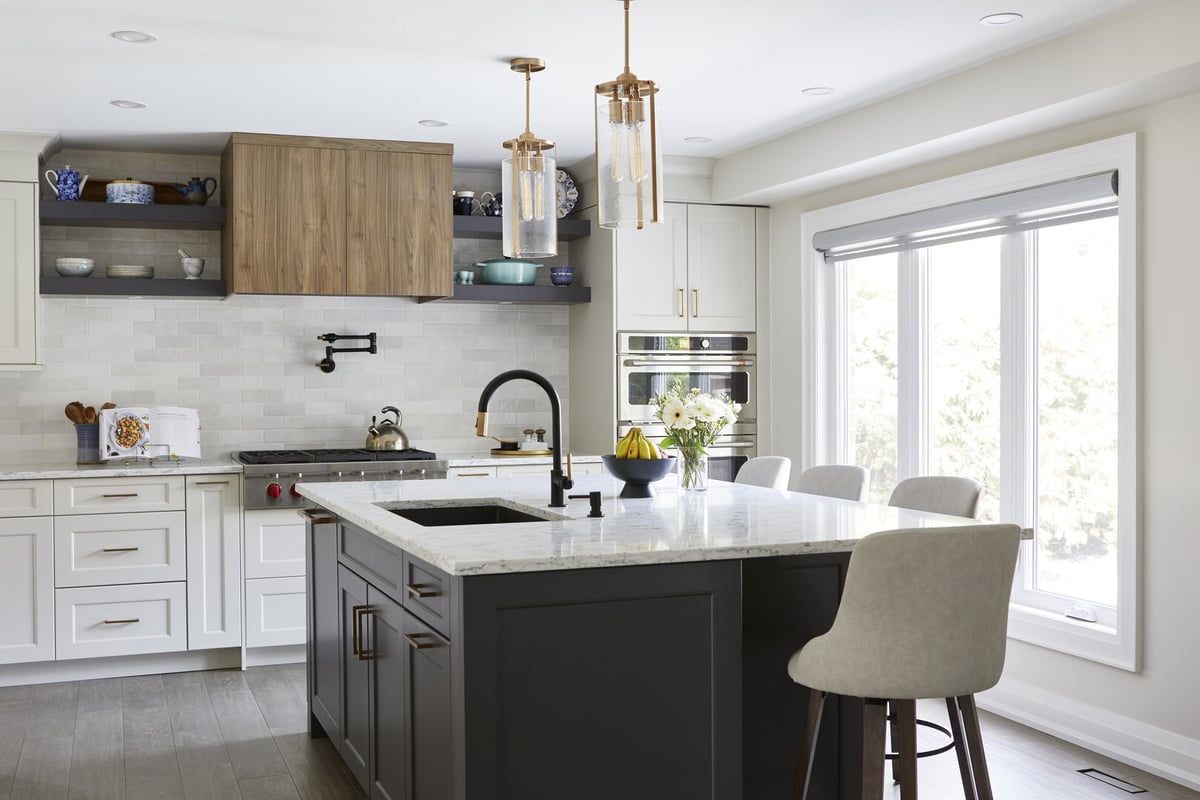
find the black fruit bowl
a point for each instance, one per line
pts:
(638, 473)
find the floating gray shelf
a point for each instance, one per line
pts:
(494, 293)
(131, 215)
(157, 287)
(478, 227)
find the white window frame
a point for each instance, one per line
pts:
(1034, 616)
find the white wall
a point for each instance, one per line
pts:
(1151, 717)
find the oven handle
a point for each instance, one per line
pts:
(668, 362)
(730, 445)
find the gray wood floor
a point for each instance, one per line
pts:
(223, 734)
(228, 734)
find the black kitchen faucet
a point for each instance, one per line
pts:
(558, 481)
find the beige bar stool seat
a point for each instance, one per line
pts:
(772, 472)
(847, 481)
(924, 614)
(939, 494)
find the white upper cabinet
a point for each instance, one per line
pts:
(20, 307)
(695, 272)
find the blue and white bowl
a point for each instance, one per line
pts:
(130, 191)
(562, 276)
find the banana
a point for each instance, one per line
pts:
(622, 450)
(643, 446)
(627, 446)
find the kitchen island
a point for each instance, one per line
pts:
(641, 654)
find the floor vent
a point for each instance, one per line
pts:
(1112, 780)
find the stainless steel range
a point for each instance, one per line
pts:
(270, 476)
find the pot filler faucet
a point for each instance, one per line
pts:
(558, 481)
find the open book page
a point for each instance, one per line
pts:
(160, 432)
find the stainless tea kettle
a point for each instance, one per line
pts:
(387, 433)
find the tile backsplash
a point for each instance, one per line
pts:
(248, 363)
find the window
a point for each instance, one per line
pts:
(985, 326)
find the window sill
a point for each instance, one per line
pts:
(1089, 640)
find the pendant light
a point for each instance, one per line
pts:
(628, 162)
(529, 213)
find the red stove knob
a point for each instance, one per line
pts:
(293, 491)
(274, 490)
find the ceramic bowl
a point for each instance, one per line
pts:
(129, 191)
(74, 267)
(562, 276)
(508, 271)
(638, 473)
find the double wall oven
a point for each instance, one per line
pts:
(648, 364)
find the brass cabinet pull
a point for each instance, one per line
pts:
(118, 550)
(356, 634)
(416, 590)
(473, 475)
(129, 494)
(363, 653)
(318, 516)
(416, 643)
(211, 483)
(682, 303)
(121, 621)
(695, 303)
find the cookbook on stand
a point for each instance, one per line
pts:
(159, 432)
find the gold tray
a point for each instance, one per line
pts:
(518, 453)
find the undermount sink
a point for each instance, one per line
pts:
(477, 514)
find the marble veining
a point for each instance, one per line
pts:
(729, 521)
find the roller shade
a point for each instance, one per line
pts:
(1075, 200)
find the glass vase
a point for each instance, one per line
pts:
(692, 466)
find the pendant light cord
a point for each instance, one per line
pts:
(626, 36)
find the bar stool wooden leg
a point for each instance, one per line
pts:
(808, 746)
(960, 748)
(906, 748)
(874, 721)
(970, 720)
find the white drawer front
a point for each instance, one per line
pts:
(473, 472)
(120, 620)
(109, 495)
(274, 543)
(275, 612)
(103, 549)
(26, 498)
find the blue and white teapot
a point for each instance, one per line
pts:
(66, 183)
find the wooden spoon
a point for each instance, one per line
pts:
(89, 415)
(107, 406)
(73, 414)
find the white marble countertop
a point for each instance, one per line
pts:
(726, 522)
(66, 468)
(475, 460)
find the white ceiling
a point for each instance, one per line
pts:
(731, 71)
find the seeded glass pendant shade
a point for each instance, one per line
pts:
(628, 161)
(529, 213)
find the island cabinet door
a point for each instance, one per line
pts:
(355, 741)
(427, 687)
(388, 708)
(324, 626)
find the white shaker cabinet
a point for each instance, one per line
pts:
(274, 586)
(20, 305)
(214, 561)
(695, 272)
(26, 572)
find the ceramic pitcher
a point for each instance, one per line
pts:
(66, 183)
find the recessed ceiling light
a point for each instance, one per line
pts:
(134, 37)
(128, 103)
(817, 91)
(698, 139)
(433, 123)
(1003, 18)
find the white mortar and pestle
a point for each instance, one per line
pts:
(192, 267)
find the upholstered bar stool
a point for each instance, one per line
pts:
(940, 494)
(846, 481)
(772, 472)
(924, 614)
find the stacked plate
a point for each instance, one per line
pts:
(74, 267)
(129, 271)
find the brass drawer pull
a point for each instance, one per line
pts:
(416, 590)
(416, 643)
(211, 483)
(682, 303)
(695, 303)
(121, 621)
(130, 494)
(473, 475)
(118, 550)
(362, 612)
(357, 632)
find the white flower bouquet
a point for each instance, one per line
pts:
(693, 420)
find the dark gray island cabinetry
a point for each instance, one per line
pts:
(641, 655)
